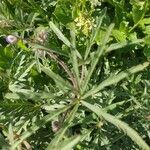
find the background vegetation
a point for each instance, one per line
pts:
(75, 74)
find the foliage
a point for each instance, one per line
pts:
(78, 75)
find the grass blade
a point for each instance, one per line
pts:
(119, 124)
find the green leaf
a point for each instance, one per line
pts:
(147, 29)
(119, 11)
(116, 78)
(37, 8)
(3, 144)
(117, 104)
(119, 124)
(6, 57)
(69, 143)
(32, 17)
(96, 58)
(26, 72)
(57, 140)
(11, 134)
(20, 94)
(147, 51)
(59, 34)
(116, 46)
(138, 12)
(147, 40)
(62, 11)
(39, 124)
(22, 46)
(56, 77)
(94, 34)
(119, 36)
(75, 65)
(37, 47)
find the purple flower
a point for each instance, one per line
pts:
(11, 39)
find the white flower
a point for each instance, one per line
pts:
(11, 39)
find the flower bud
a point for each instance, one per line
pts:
(11, 39)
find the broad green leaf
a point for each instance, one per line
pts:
(145, 21)
(6, 57)
(116, 78)
(138, 10)
(119, 124)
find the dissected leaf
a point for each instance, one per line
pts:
(116, 78)
(119, 124)
(38, 125)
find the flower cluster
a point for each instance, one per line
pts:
(84, 23)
